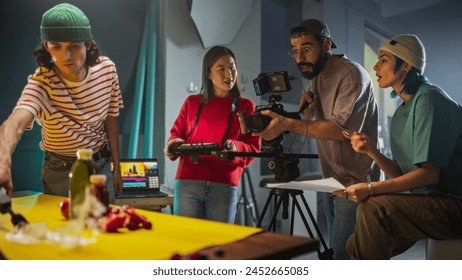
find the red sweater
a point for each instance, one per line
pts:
(210, 128)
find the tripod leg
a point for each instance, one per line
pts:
(294, 200)
(305, 222)
(268, 200)
(307, 226)
(314, 222)
(283, 196)
(328, 252)
(246, 202)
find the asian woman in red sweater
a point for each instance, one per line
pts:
(207, 188)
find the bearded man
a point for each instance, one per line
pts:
(340, 99)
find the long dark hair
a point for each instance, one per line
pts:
(210, 58)
(43, 58)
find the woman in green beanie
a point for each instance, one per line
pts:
(74, 95)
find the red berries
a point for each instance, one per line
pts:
(120, 217)
(125, 216)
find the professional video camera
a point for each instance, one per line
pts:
(284, 167)
(275, 82)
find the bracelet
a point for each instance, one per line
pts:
(370, 188)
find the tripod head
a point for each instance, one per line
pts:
(285, 168)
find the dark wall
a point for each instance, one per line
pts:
(116, 25)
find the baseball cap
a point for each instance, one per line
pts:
(314, 27)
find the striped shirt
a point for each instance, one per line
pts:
(72, 114)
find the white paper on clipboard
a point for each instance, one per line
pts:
(327, 185)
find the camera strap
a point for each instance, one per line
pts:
(236, 99)
(234, 104)
(196, 119)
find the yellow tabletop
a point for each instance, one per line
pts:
(169, 235)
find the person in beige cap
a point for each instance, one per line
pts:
(423, 197)
(74, 95)
(341, 96)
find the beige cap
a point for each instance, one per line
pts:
(408, 48)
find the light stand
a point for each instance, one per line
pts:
(250, 207)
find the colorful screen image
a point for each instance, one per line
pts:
(139, 174)
(132, 169)
(150, 168)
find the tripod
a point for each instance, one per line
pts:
(250, 207)
(284, 196)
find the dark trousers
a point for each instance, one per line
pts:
(55, 174)
(388, 225)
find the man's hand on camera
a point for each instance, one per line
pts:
(275, 128)
(171, 146)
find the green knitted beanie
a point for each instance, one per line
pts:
(65, 23)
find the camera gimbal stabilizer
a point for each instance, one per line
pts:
(195, 150)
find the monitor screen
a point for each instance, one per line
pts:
(139, 174)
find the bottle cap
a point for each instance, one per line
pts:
(98, 179)
(84, 153)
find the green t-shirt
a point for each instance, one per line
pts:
(429, 129)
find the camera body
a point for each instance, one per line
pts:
(257, 122)
(285, 169)
(275, 82)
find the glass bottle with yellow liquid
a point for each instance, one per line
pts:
(79, 178)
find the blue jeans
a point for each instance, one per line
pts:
(205, 200)
(55, 174)
(341, 220)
